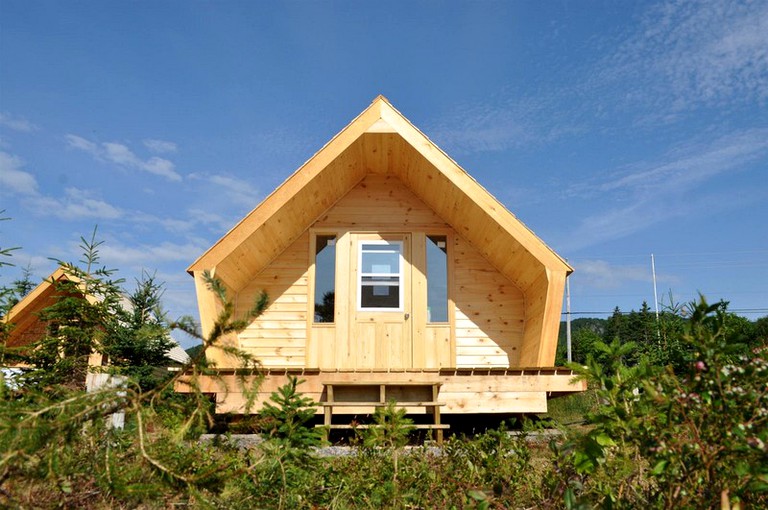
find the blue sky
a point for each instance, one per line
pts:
(613, 129)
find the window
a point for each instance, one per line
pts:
(325, 278)
(437, 279)
(380, 275)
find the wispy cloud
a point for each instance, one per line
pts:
(688, 54)
(501, 123)
(13, 178)
(238, 191)
(217, 221)
(75, 204)
(680, 58)
(150, 255)
(684, 167)
(160, 146)
(601, 274)
(122, 155)
(654, 192)
(17, 123)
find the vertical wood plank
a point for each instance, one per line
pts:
(423, 352)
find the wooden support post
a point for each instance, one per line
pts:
(436, 415)
(328, 411)
(432, 407)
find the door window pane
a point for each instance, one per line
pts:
(325, 278)
(437, 279)
(380, 282)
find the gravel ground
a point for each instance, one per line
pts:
(246, 441)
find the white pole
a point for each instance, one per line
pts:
(655, 294)
(568, 317)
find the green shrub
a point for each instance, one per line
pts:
(695, 439)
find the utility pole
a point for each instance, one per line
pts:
(568, 317)
(655, 296)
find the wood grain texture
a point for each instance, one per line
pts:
(381, 174)
(459, 394)
(278, 337)
(490, 311)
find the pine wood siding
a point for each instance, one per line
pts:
(490, 312)
(380, 203)
(381, 181)
(462, 393)
(278, 337)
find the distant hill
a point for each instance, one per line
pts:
(194, 350)
(591, 323)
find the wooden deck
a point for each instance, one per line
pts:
(462, 391)
(368, 394)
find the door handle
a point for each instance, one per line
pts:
(407, 316)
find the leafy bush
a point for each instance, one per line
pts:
(696, 439)
(679, 422)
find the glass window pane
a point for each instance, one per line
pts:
(437, 279)
(380, 275)
(380, 296)
(325, 278)
(381, 263)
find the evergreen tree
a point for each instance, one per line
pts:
(86, 309)
(139, 341)
(583, 344)
(92, 317)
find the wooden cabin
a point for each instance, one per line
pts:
(391, 273)
(24, 317)
(27, 328)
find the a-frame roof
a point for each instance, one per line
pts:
(24, 314)
(380, 140)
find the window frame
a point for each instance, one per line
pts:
(447, 277)
(400, 275)
(313, 255)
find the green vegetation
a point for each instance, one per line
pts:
(676, 417)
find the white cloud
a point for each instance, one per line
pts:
(176, 226)
(150, 255)
(162, 167)
(237, 191)
(191, 222)
(208, 218)
(13, 178)
(17, 123)
(693, 163)
(122, 155)
(81, 143)
(160, 146)
(653, 192)
(688, 54)
(502, 123)
(680, 57)
(173, 225)
(603, 275)
(75, 204)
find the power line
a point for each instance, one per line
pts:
(731, 310)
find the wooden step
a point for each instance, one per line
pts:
(426, 384)
(420, 426)
(398, 403)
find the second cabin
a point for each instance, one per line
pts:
(389, 268)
